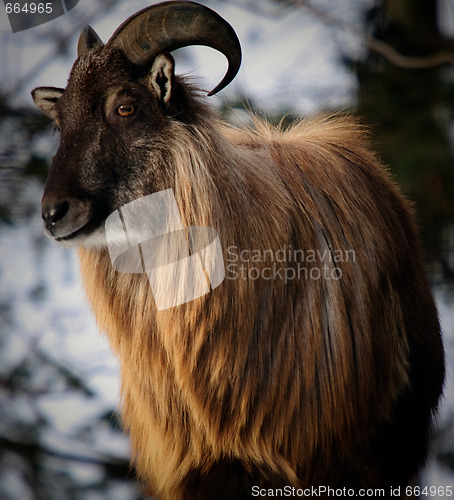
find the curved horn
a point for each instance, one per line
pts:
(88, 40)
(171, 25)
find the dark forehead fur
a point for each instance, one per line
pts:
(101, 68)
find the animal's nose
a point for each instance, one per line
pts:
(64, 217)
(53, 212)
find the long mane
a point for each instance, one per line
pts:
(224, 375)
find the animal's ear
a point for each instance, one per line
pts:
(162, 77)
(45, 98)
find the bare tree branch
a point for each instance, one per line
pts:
(114, 467)
(385, 50)
(388, 52)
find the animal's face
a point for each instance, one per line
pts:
(118, 113)
(113, 119)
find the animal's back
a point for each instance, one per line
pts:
(317, 361)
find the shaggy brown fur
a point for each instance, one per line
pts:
(263, 382)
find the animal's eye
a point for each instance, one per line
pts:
(126, 109)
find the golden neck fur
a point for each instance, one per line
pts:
(223, 376)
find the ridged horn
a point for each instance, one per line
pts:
(168, 26)
(88, 40)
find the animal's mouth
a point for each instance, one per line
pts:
(91, 235)
(68, 237)
(67, 220)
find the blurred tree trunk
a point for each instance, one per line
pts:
(412, 112)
